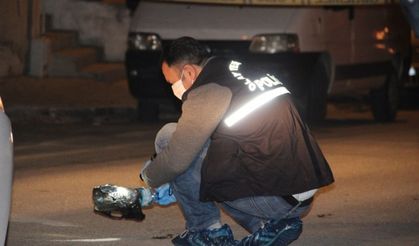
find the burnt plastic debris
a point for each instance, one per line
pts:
(118, 202)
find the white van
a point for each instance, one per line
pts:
(320, 52)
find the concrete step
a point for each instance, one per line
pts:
(61, 39)
(107, 72)
(69, 62)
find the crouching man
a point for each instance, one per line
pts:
(239, 144)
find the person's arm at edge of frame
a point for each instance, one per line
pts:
(201, 114)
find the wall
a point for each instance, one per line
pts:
(98, 24)
(13, 36)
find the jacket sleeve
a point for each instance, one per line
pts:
(201, 114)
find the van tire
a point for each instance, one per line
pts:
(385, 101)
(313, 105)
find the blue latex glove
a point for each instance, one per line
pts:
(163, 195)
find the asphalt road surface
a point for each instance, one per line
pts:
(374, 201)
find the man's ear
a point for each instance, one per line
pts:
(189, 73)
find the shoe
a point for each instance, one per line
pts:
(275, 233)
(217, 237)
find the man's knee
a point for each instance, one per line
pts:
(163, 136)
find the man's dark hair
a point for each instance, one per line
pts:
(185, 50)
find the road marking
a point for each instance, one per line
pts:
(47, 222)
(89, 240)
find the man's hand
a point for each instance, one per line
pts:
(163, 195)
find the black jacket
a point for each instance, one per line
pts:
(269, 152)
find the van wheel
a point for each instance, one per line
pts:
(314, 106)
(147, 111)
(385, 101)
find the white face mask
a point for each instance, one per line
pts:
(178, 88)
